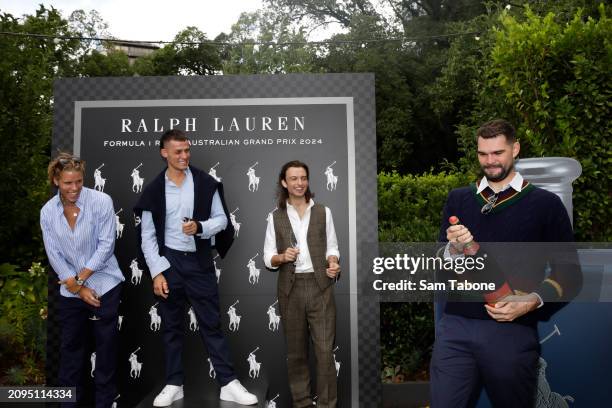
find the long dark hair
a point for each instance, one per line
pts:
(282, 195)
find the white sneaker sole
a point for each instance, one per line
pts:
(250, 401)
(179, 395)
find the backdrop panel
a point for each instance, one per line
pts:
(242, 130)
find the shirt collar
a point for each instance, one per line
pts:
(516, 183)
(80, 202)
(187, 172)
(310, 204)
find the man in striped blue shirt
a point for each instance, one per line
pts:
(78, 226)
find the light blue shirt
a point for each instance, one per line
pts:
(179, 204)
(90, 245)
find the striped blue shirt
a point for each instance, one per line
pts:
(90, 245)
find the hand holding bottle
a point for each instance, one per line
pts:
(460, 237)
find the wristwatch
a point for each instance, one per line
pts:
(78, 280)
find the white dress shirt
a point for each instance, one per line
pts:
(300, 230)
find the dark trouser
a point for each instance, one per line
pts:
(74, 315)
(187, 280)
(471, 353)
(309, 313)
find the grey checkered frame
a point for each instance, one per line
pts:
(366, 388)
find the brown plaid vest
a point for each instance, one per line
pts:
(316, 238)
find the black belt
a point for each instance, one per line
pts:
(177, 252)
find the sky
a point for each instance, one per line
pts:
(150, 20)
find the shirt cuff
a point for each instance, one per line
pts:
(268, 262)
(160, 266)
(333, 253)
(540, 299)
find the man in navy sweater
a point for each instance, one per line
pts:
(496, 346)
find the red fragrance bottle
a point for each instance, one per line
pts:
(470, 249)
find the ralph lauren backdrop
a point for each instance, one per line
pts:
(242, 130)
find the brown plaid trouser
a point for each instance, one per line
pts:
(309, 313)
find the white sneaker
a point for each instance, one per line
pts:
(168, 395)
(234, 391)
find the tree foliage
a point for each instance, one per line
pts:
(189, 54)
(242, 56)
(552, 79)
(27, 70)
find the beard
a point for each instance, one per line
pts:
(502, 175)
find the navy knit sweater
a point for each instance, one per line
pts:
(533, 215)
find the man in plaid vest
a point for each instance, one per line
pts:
(301, 244)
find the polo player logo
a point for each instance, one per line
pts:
(137, 181)
(137, 220)
(332, 180)
(212, 172)
(271, 403)
(193, 322)
(119, 225)
(211, 370)
(135, 365)
(254, 366)
(555, 332)
(119, 322)
(234, 323)
(314, 400)
(546, 398)
(99, 181)
(253, 179)
(92, 359)
(155, 318)
(217, 270)
(274, 319)
(235, 223)
(337, 363)
(253, 270)
(136, 272)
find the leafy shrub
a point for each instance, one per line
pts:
(410, 207)
(23, 305)
(410, 210)
(406, 340)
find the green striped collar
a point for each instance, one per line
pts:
(505, 198)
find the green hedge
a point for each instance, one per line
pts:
(409, 210)
(410, 207)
